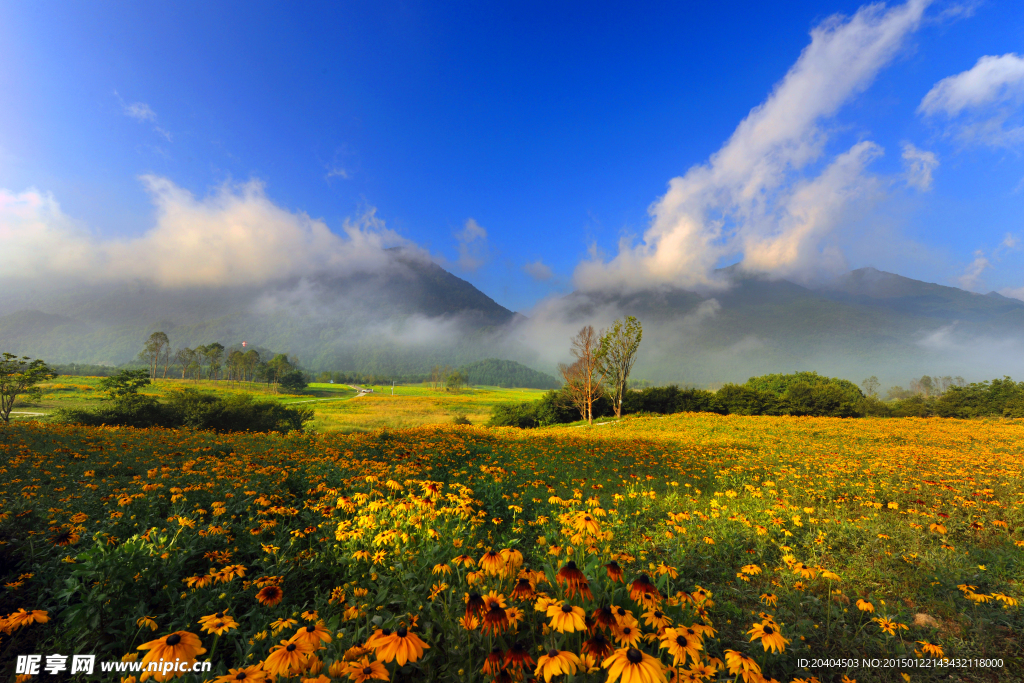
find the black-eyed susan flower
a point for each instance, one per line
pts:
(491, 563)
(365, 670)
(279, 625)
(769, 599)
(932, 650)
(641, 587)
(740, 664)
(627, 636)
(314, 634)
(494, 661)
(287, 658)
(147, 622)
(556, 662)
(656, 619)
(518, 657)
(524, 590)
(180, 645)
(682, 643)
(249, 674)
(220, 626)
(401, 646)
(598, 647)
(475, 605)
(614, 571)
(569, 574)
(770, 636)
(865, 606)
(604, 617)
(633, 666)
(24, 618)
(270, 595)
(566, 618)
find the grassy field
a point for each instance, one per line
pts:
(751, 548)
(334, 409)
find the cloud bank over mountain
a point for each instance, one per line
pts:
(234, 236)
(754, 197)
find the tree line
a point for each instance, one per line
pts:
(208, 361)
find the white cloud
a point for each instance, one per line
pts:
(982, 104)
(538, 270)
(918, 166)
(1010, 241)
(971, 278)
(234, 236)
(990, 80)
(748, 198)
(1016, 293)
(472, 241)
(140, 111)
(337, 173)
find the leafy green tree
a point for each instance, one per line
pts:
(870, 386)
(125, 384)
(214, 354)
(616, 354)
(156, 343)
(455, 382)
(293, 381)
(20, 376)
(129, 406)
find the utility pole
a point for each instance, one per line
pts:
(392, 387)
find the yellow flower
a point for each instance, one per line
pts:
(402, 646)
(770, 636)
(633, 665)
(287, 658)
(566, 618)
(865, 606)
(555, 663)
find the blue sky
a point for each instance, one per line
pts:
(527, 148)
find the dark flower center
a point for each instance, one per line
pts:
(385, 632)
(658, 615)
(524, 583)
(402, 632)
(622, 611)
(570, 565)
(566, 608)
(241, 676)
(367, 671)
(310, 629)
(587, 518)
(291, 647)
(173, 639)
(690, 631)
(634, 656)
(644, 578)
(613, 564)
(473, 597)
(681, 641)
(627, 630)
(599, 638)
(768, 630)
(219, 615)
(552, 653)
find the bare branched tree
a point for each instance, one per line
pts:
(584, 346)
(575, 386)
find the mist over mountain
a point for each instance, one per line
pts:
(401, 317)
(864, 322)
(411, 314)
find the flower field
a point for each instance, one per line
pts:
(689, 547)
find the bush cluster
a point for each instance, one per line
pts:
(195, 410)
(802, 393)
